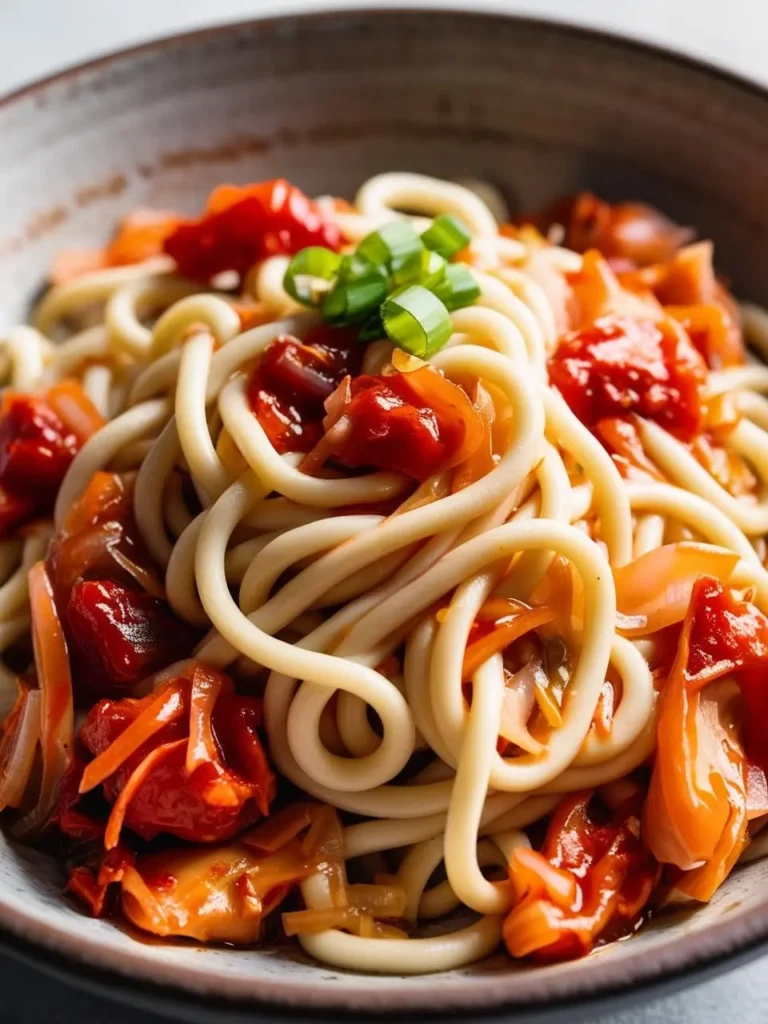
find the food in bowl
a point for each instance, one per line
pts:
(365, 565)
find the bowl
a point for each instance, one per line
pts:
(327, 100)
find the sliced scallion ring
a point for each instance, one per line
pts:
(310, 274)
(351, 300)
(353, 266)
(392, 246)
(457, 288)
(416, 321)
(427, 268)
(446, 235)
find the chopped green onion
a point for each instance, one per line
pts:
(427, 268)
(457, 288)
(433, 268)
(353, 266)
(351, 300)
(446, 235)
(392, 246)
(310, 273)
(416, 321)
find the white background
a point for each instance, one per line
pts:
(41, 36)
(37, 36)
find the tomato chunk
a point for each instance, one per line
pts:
(36, 450)
(229, 785)
(242, 225)
(697, 809)
(120, 636)
(589, 883)
(415, 423)
(294, 378)
(118, 628)
(39, 438)
(620, 366)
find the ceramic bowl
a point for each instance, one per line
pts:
(328, 100)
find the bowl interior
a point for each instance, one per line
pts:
(328, 100)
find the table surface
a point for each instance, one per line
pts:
(41, 36)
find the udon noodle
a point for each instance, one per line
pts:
(500, 602)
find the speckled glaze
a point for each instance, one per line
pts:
(328, 100)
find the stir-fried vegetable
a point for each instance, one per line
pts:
(654, 590)
(590, 881)
(696, 813)
(186, 760)
(39, 438)
(119, 629)
(415, 423)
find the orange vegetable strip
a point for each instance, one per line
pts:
(168, 706)
(138, 775)
(302, 922)
(55, 682)
(280, 828)
(201, 747)
(481, 650)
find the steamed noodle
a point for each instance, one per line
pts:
(313, 603)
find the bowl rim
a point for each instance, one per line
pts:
(739, 939)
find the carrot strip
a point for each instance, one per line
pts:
(481, 650)
(201, 748)
(168, 706)
(138, 775)
(57, 710)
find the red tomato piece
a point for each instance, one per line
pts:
(121, 636)
(589, 883)
(294, 378)
(620, 366)
(731, 636)
(726, 635)
(698, 806)
(412, 423)
(36, 450)
(244, 225)
(212, 803)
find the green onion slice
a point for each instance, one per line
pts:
(310, 273)
(353, 267)
(392, 246)
(427, 268)
(446, 235)
(416, 321)
(351, 300)
(457, 288)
